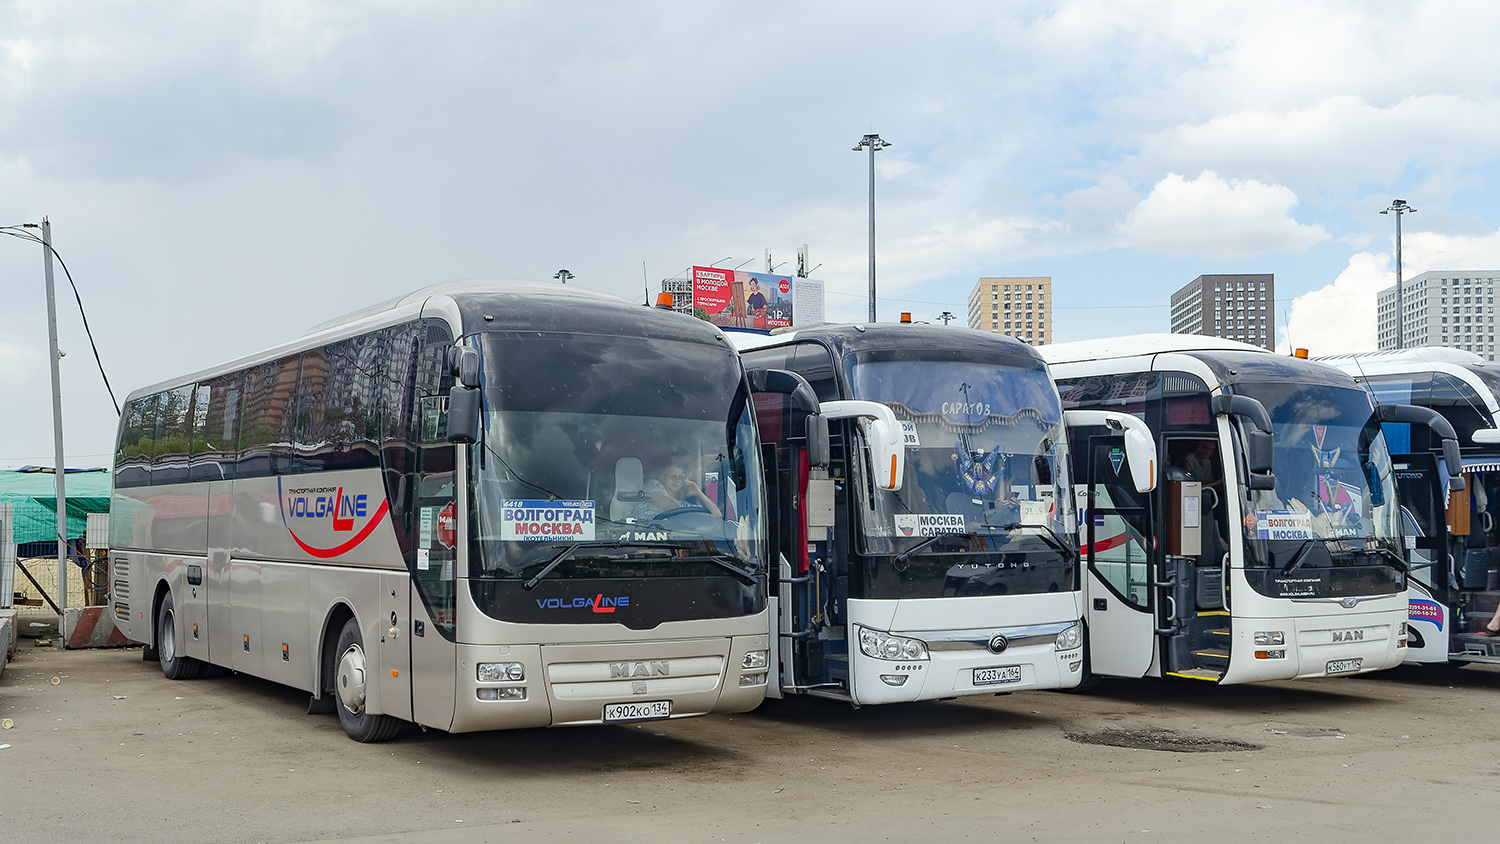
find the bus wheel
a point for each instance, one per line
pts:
(174, 665)
(351, 681)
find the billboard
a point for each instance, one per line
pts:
(739, 299)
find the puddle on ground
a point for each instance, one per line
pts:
(1147, 738)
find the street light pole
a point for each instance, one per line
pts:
(873, 143)
(946, 317)
(57, 429)
(1400, 207)
(563, 276)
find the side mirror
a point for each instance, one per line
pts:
(1140, 446)
(1435, 423)
(1264, 481)
(1487, 436)
(1259, 447)
(463, 415)
(882, 434)
(463, 362)
(819, 450)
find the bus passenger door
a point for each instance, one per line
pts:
(1116, 529)
(1431, 600)
(440, 519)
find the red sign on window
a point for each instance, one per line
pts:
(447, 527)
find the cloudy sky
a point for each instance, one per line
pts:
(220, 177)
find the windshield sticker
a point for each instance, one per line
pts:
(909, 432)
(424, 559)
(1035, 512)
(1283, 524)
(924, 524)
(524, 520)
(979, 472)
(424, 530)
(1116, 459)
(1420, 609)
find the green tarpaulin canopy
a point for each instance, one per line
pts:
(34, 495)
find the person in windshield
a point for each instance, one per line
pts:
(670, 489)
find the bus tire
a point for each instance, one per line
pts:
(174, 665)
(350, 685)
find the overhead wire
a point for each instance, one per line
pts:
(20, 233)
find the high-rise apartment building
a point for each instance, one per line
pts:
(1018, 307)
(1453, 308)
(1236, 307)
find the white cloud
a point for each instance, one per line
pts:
(1213, 218)
(1339, 317)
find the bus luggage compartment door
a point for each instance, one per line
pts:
(1116, 528)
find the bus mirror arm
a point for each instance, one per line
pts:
(1411, 414)
(1140, 446)
(1243, 406)
(786, 382)
(1259, 443)
(463, 415)
(882, 433)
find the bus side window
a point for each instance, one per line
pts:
(170, 464)
(436, 554)
(216, 416)
(266, 418)
(137, 442)
(814, 362)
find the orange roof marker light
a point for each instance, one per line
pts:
(664, 301)
(906, 317)
(1299, 353)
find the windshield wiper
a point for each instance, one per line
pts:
(906, 555)
(1300, 557)
(1392, 558)
(565, 554)
(1052, 536)
(722, 562)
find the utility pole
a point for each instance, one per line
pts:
(1399, 207)
(946, 317)
(874, 143)
(564, 275)
(57, 424)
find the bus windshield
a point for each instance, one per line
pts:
(615, 458)
(1333, 508)
(984, 507)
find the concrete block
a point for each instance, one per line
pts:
(7, 637)
(90, 627)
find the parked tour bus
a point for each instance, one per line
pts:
(1270, 549)
(1454, 537)
(483, 505)
(921, 506)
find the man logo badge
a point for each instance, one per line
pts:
(998, 643)
(638, 688)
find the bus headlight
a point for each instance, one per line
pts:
(885, 646)
(1270, 637)
(1070, 638)
(755, 659)
(499, 672)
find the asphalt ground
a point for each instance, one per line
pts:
(115, 752)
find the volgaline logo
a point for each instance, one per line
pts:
(598, 603)
(639, 669)
(319, 511)
(1348, 636)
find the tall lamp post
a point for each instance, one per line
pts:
(873, 143)
(946, 317)
(563, 276)
(1399, 207)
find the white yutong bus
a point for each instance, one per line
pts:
(436, 510)
(1232, 572)
(1454, 540)
(922, 510)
